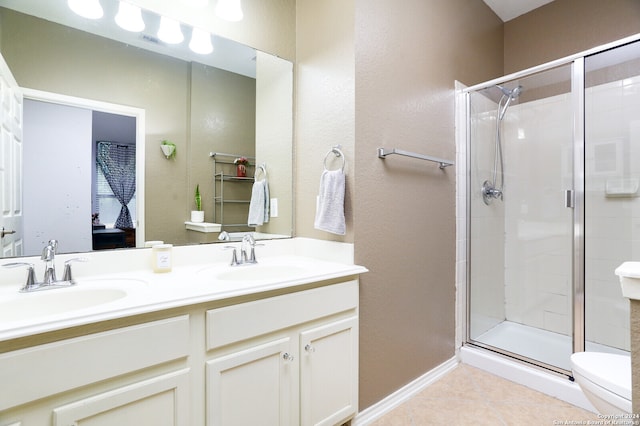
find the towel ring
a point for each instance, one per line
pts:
(338, 153)
(261, 168)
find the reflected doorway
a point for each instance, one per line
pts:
(63, 195)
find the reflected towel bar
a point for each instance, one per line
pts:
(382, 153)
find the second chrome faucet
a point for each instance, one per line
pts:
(247, 252)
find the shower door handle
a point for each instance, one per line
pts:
(569, 199)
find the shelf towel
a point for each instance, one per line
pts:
(259, 204)
(330, 205)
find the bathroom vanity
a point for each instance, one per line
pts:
(208, 344)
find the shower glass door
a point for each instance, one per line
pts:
(520, 236)
(553, 207)
(612, 180)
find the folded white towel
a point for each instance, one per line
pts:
(330, 208)
(259, 204)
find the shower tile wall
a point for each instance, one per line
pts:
(613, 222)
(538, 169)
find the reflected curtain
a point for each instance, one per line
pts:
(118, 163)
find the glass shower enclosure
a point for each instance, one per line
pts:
(553, 206)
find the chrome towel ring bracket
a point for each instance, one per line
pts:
(336, 151)
(260, 170)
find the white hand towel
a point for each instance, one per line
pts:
(259, 204)
(330, 208)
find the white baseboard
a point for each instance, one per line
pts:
(403, 394)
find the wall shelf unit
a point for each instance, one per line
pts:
(231, 193)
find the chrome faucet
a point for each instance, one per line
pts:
(247, 252)
(48, 257)
(248, 246)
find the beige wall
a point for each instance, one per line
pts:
(564, 27)
(324, 111)
(274, 93)
(407, 59)
(222, 119)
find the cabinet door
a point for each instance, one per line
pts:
(161, 401)
(252, 386)
(329, 373)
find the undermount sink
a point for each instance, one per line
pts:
(259, 272)
(87, 294)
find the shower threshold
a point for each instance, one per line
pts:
(537, 344)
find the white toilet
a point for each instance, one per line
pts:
(605, 379)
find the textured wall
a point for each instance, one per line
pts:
(325, 111)
(565, 27)
(407, 59)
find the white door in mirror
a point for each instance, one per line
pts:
(10, 164)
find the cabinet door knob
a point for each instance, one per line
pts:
(309, 348)
(287, 357)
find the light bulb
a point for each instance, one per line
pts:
(229, 10)
(129, 17)
(90, 9)
(169, 31)
(201, 42)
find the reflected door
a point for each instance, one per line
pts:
(10, 164)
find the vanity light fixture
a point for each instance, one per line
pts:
(229, 10)
(90, 9)
(169, 31)
(200, 41)
(129, 17)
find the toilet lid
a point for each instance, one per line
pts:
(610, 371)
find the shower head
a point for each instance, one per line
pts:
(513, 93)
(507, 97)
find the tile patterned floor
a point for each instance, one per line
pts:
(469, 396)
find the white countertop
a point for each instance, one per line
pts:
(282, 265)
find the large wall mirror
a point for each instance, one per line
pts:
(235, 101)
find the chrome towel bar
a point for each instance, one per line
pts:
(382, 153)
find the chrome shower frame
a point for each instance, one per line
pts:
(575, 198)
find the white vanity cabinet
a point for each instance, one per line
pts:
(113, 377)
(285, 357)
(329, 372)
(286, 360)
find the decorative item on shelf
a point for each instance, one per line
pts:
(241, 166)
(168, 149)
(95, 218)
(198, 214)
